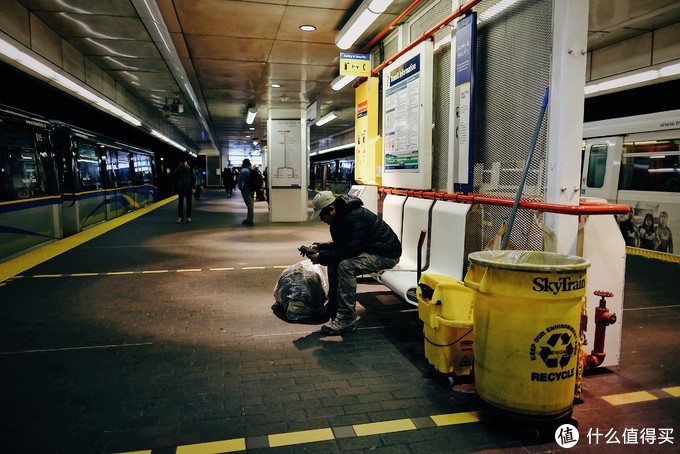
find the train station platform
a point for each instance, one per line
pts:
(144, 335)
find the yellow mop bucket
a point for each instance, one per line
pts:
(526, 318)
(445, 307)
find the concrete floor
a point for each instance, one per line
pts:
(158, 337)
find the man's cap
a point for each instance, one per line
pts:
(321, 201)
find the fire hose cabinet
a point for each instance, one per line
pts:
(445, 308)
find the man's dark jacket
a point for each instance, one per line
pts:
(355, 230)
(185, 180)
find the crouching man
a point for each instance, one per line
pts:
(362, 243)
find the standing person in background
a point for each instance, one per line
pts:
(183, 183)
(664, 233)
(246, 191)
(198, 188)
(228, 181)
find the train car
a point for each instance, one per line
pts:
(334, 174)
(30, 199)
(56, 180)
(102, 178)
(636, 161)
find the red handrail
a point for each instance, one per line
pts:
(583, 208)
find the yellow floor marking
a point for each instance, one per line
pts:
(280, 267)
(42, 254)
(674, 391)
(629, 398)
(221, 269)
(155, 271)
(254, 268)
(48, 275)
(193, 270)
(455, 418)
(84, 274)
(375, 428)
(148, 451)
(237, 444)
(303, 436)
(118, 273)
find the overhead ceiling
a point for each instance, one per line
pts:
(232, 51)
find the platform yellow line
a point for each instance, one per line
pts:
(221, 269)
(674, 391)
(119, 273)
(193, 270)
(376, 428)
(455, 418)
(303, 436)
(234, 445)
(84, 274)
(254, 268)
(630, 398)
(42, 254)
(155, 271)
(47, 275)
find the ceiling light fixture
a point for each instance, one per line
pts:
(250, 118)
(326, 118)
(167, 140)
(635, 78)
(53, 77)
(341, 82)
(362, 18)
(275, 85)
(307, 28)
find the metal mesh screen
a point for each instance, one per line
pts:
(513, 69)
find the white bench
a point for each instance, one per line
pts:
(447, 239)
(403, 278)
(393, 212)
(444, 249)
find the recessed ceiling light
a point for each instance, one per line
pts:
(275, 85)
(252, 129)
(307, 28)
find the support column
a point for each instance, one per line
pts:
(287, 158)
(565, 115)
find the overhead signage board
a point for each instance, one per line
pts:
(463, 95)
(355, 64)
(407, 119)
(313, 113)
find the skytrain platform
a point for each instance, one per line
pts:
(144, 335)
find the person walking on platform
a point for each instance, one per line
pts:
(228, 181)
(246, 191)
(184, 182)
(362, 243)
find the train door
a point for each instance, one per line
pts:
(601, 167)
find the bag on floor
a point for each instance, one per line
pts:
(300, 293)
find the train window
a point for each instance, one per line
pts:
(597, 166)
(142, 168)
(88, 165)
(124, 169)
(651, 166)
(20, 166)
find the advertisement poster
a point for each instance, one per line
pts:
(463, 143)
(366, 157)
(284, 151)
(402, 117)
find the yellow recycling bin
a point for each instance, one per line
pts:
(445, 307)
(526, 318)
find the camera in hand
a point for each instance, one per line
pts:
(307, 250)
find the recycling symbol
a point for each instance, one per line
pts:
(558, 352)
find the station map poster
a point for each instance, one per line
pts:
(463, 92)
(285, 142)
(407, 120)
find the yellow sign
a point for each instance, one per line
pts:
(368, 155)
(355, 64)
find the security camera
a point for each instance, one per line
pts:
(177, 108)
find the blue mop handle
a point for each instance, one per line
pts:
(534, 139)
